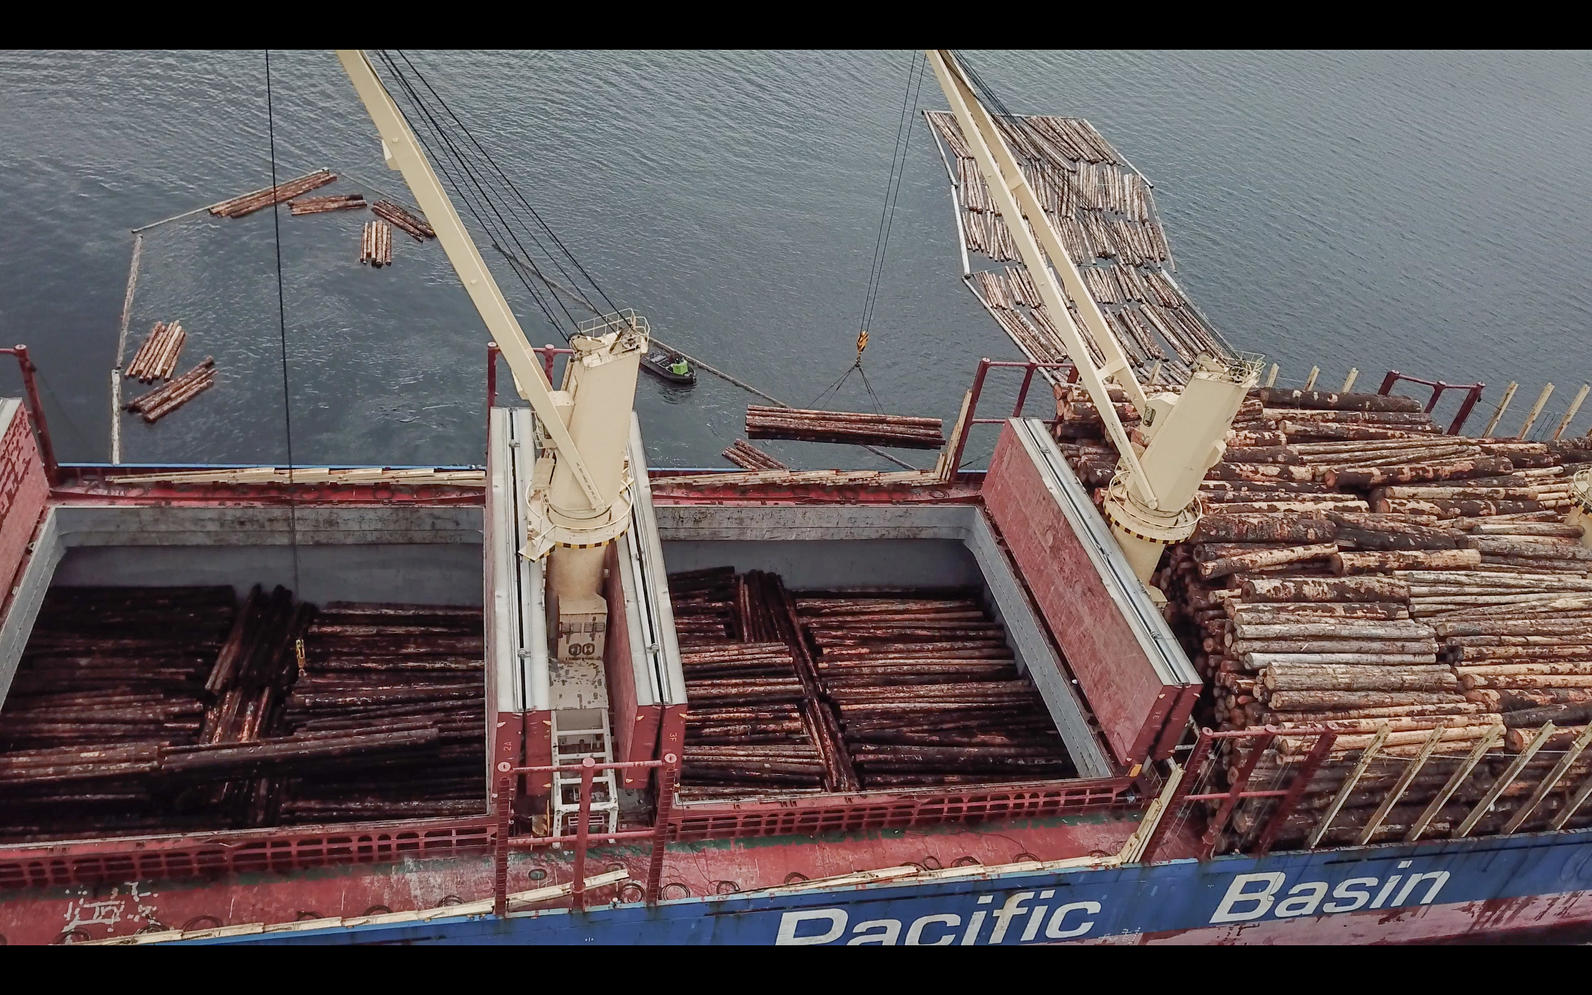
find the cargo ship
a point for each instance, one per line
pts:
(1192, 660)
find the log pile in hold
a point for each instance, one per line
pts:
(764, 422)
(839, 690)
(754, 722)
(165, 399)
(247, 204)
(375, 244)
(321, 205)
(409, 222)
(413, 672)
(748, 457)
(928, 692)
(157, 357)
(154, 710)
(1367, 574)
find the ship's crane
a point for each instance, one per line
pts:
(1151, 502)
(579, 500)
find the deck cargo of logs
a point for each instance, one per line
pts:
(1416, 593)
(322, 205)
(765, 422)
(375, 243)
(156, 359)
(840, 691)
(406, 221)
(151, 709)
(247, 204)
(173, 394)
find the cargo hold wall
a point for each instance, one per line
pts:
(1136, 678)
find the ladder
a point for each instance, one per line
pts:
(590, 739)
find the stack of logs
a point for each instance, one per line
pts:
(375, 243)
(414, 225)
(157, 357)
(765, 422)
(321, 205)
(146, 710)
(841, 690)
(748, 457)
(754, 723)
(167, 398)
(247, 204)
(1356, 570)
(415, 673)
(927, 690)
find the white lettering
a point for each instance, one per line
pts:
(1297, 904)
(888, 931)
(790, 921)
(915, 931)
(1238, 892)
(1054, 929)
(1034, 921)
(1387, 890)
(1347, 889)
(1006, 913)
(1438, 878)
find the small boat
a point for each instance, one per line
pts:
(657, 363)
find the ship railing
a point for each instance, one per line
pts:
(1472, 395)
(1248, 792)
(668, 768)
(959, 443)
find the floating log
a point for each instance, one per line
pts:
(375, 245)
(247, 204)
(320, 205)
(748, 457)
(162, 401)
(409, 222)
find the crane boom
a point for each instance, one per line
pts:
(1151, 503)
(579, 499)
(403, 153)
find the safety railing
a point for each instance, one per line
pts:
(984, 366)
(1472, 395)
(548, 354)
(1251, 746)
(581, 840)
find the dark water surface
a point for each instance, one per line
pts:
(1424, 211)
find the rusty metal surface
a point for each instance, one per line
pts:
(121, 907)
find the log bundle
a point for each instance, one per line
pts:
(375, 244)
(748, 457)
(1103, 212)
(248, 203)
(1358, 571)
(153, 710)
(765, 422)
(321, 205)
(928, 692)
(409, 222)
(157, 357)
(416, 675)
(832, 691)
(754, 721)
(167, 398)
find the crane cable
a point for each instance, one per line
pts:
(892, 192)
(551, 234)
(442, 158)
(281, 320)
